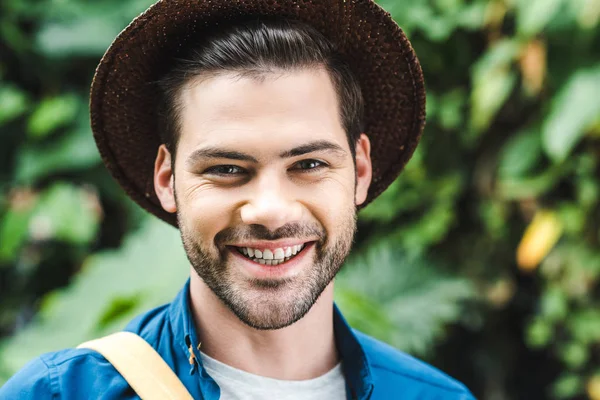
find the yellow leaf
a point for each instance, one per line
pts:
(593, 388)
(533, 66)
(539, 238)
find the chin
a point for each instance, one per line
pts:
(270, 305)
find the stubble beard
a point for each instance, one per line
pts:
(274, 303)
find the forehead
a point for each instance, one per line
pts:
(283, 108)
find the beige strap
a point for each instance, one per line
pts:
(141, 366)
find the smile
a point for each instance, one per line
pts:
(271, 256)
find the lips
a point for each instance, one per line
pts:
(273, 256)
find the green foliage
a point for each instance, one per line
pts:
(13, 103)
(573, 113)
(111, 288)
(74, 150)
(513, 128)
(533, 16)
(51, 113)
(62, 213)
(405, 301)
(493, 82)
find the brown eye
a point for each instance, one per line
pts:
(225, 170)
(309, 165)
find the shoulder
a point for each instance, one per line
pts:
(150, 325)
(75, 373)
(395, 370)
(31, 382)
(82, 371)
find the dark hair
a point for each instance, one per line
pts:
(253, 49)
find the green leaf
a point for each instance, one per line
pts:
(119, 307)
(588, 192)
(493, 81)
(567, 386)
(431, 105)
(575, 355)
(14, 228)
(67, 213)
(366, 313)
(448, 7)
(585, 13)
(574, 109)
(514, 188)
(472, 16)
(539, 333)
(554, 305)
(431, 228)
(451, 113)
(51, 114)
(438, 29)
(520, 154)
(85, 36)
(401, 195)
(534, 15)
(572, 217)
(494, 215)
(73, 151)
(585, 325)
(408, 14)
(13, 103)
(13, 36)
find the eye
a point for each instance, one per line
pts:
(225, 170)
(309, 165)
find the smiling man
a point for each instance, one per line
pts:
(258, 128)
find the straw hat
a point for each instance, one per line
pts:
(123, 100)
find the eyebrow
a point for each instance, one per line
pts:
(319, 145)
(218, 152)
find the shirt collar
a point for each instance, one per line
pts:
(182, 323)
(354, 360)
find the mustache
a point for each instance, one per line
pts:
(260, 232)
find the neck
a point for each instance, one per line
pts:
(303, 350)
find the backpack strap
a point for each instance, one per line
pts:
(141, 366)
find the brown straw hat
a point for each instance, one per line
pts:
(123, 99)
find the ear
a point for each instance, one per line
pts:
(164, 180)
(364, 169)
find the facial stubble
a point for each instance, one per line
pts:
(269, 304)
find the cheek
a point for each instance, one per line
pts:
(335, 193)
(205, 211)
(333, 205)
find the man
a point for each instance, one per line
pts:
(250, 125)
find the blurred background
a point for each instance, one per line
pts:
(483, 258)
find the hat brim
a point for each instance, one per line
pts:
(123, 97)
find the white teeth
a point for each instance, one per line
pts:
(271, 257)
(278, 254)
(267, 254)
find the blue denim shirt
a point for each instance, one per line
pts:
(373, 370)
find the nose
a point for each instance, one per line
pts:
(270, 206)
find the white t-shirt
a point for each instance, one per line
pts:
(236, 384)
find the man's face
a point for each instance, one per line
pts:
(265, 190)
